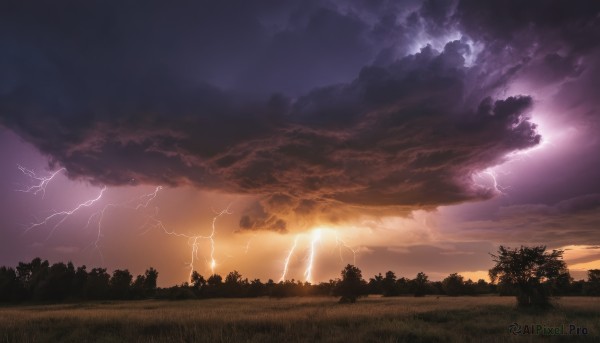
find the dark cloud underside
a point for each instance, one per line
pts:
(318, 108)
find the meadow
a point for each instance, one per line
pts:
(371, 319)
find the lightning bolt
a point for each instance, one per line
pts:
(493, 176)
(149, 197)
(341, 244)
(518, 155)
(213, 263)
(42, 181)
(143, 202)
(63, 215)
(194, 241)
(316, 237)
(248, 244)
(287, 259)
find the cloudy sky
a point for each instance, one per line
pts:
(250, 135)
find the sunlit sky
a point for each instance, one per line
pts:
(287, 139)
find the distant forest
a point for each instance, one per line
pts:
(38, 281)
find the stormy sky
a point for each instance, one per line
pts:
(412, 135)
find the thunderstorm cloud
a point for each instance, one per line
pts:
(323, 109)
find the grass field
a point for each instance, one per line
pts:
(373, 319)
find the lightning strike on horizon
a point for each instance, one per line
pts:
(43, 181)
(316, 236)
(193, 241)
(213, 263)
(63, 215)
(287, 259)
(143, 202)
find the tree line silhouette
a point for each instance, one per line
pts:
(530, 274)
(40, 281)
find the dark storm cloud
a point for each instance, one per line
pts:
(554, 34)
(572, 21)
(314, 106)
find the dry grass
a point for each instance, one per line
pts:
(463, 319)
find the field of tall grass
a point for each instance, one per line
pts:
(372, 319)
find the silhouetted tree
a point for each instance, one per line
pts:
(593, 283)
(469, 287)
(214, 280)
(198, 283)
(278, 290)
(435, 287)
(30, 275)
(232, 287)
(403, 285)
(453, 285)
(39, 281)
(214, 285)
(57, 283)
(144, 286)
(324, 288)
(351, 286)
(256, 288)
(79, 281)
(137, 287)
(561, 285)
(270, 287)
(97, 285)
(482, 287)
(180, 292)
(150, 280)
(10, 288)
(419, 285)
(578, 287)
(198, 280)
(506, 289)
(375, 286)
(526, 268)
(389, 288)
(233, 278)
(120, 284)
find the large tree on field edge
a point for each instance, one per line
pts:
(351, 286)
(527, 269)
